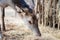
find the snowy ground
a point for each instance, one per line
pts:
(18, 29)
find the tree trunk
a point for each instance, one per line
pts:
(3, 15)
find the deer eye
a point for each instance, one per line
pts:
(30, 22)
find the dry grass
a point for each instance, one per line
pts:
(21, 33)
(51, 31)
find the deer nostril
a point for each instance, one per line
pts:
(30, 22)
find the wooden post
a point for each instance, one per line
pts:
(54, 11)
(53, 21)
(45, 13)
(50, 12)
(42, 12)
(58, 15)
(3, 15)
(58, 25)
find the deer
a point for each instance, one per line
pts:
(29, 5)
